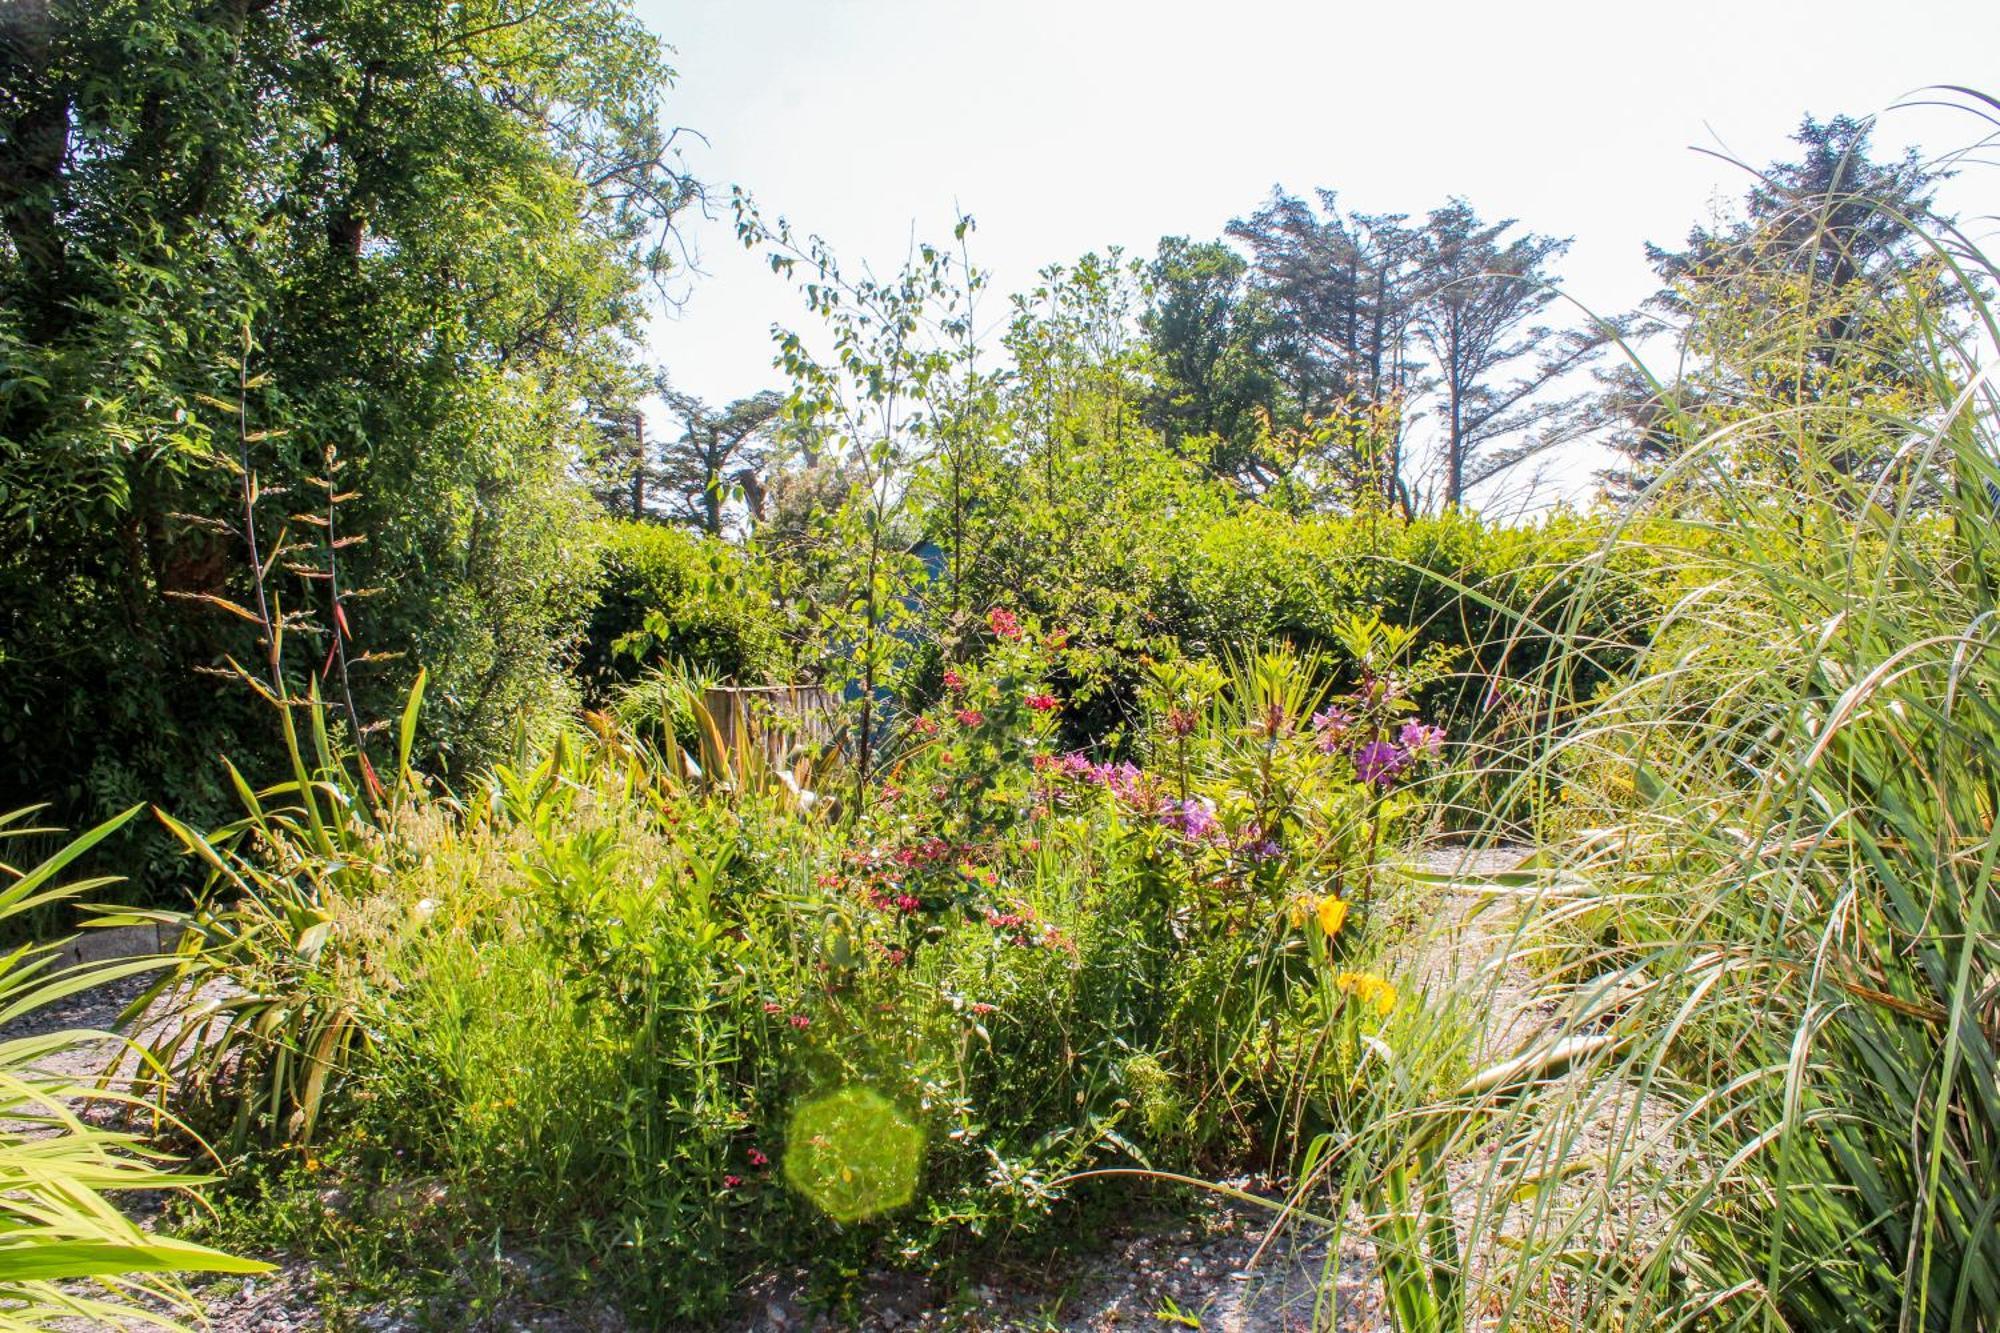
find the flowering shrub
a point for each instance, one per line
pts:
(1021, 959)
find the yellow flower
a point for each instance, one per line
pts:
(1369, 989)
(1332, 914)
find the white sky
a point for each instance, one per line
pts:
(1065, 127)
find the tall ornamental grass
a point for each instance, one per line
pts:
(1756, 1084)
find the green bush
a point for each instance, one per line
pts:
(673, 595)
(672, 1031)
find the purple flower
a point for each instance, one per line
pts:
(1379, 762)
(1193, 819)
(1265, 849)
(1418, 739)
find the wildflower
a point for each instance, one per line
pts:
(1331, 913)
(971, 717)
(1330, 727)
(953, 681)
(758, 1159)
(800, 1021)
(1042, 702)
(1193, 819)
(923, 726)
(906, 903)
(1418, 739)
(1378, 762)
(1265, 849)
(1004, 624)
(731, 1182)
(1369, 989)
(1180, 721)
(773, 1007)
(981, 1007)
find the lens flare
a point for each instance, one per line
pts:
(853, 1153)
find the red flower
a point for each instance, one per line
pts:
(773, 1007)
(1004, 623)
(923, 726)
(731, 1182)
(953, 681)
(971, 717)
(1042, 702)
(801, 1022)
(758, 1158)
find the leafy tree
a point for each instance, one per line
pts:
(1342, 290)
(1824, 250)
(1207, 329)
(434, 220)
(870, 411)
(717, 449)
(1481, 295)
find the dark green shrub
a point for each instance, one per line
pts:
(672, 594)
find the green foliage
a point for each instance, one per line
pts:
(434, 221)
(69, 1253)
(644, 1021)
(672, 595)
(1767, 923)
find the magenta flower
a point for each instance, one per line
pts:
(952, 680)
(971, 717)
(1331, 726)
(1042, 702)
(1420, 739)
(1192, 819)
(1379, 762)
(1004, 623)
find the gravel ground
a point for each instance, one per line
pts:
(1218, 1269)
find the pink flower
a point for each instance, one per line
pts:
(1004, 624)
(731, 1182)
(953, 681)
(1042, 702)
(971, 717)
(1331, 725)
(801, 1022)
(906, 903)
(981, 1007)
(923, 726)
(758, 1158)
(1420, 739)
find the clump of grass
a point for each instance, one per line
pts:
(66, 1251)
(1767, 1093)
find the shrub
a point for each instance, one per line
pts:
(677, 1031)
(671, 594)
